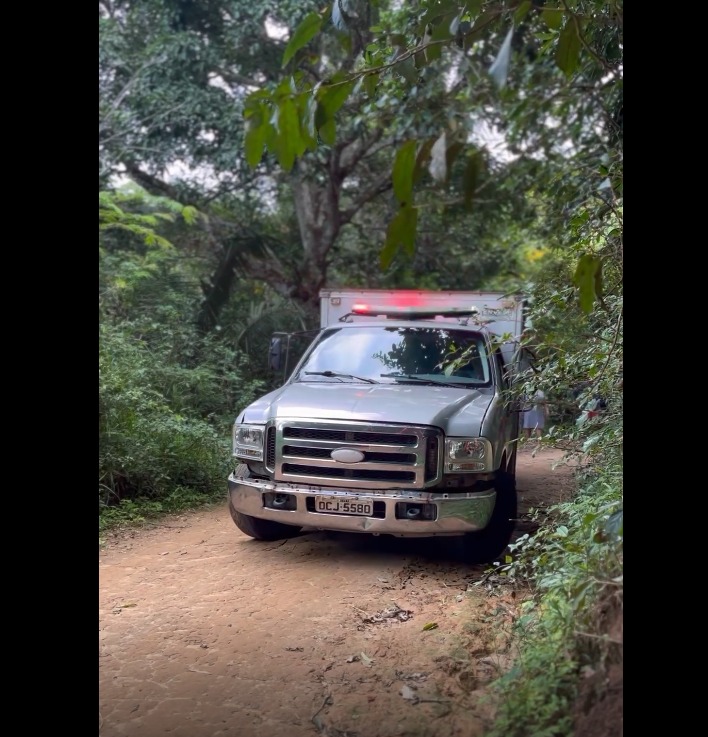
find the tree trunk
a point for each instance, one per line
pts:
(318, 216)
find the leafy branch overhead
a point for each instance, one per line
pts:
(491, 55)
(298, 114)
(113, 215)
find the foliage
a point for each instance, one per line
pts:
(130, 512)
(576, 563)
(171, 75)
(573, 53)
(147, 443)
(167, 394)
(113, 216)
(182, 134)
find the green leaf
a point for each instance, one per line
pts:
(453, 151)
(321, 116)
(568, 50)
(402, 175)
(499, 71)
(370, 83)
(256, 129)
(442, 31)
(470, 178)
(553, 18)
(432, 53)
(408, 71)
(430, 626)
(473, 6)
(190, 214)
(309, 27)
(400, 232)
(521, 11)
(290, 143)
(435, 11)
(598, 282)
(389, 250)
(584, 279)
(328, 132)
(332, 97)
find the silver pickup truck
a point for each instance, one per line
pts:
(396, 420)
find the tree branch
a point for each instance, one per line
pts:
(236, 79)
(152, 184)
(602, 62)
(383, 184)
(352, 153)
(410, 53)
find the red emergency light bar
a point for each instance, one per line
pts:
(412, 313)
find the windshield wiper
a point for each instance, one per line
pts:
(424, 380)
(337, 375)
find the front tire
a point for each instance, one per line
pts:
(259, 529)
(487, 545)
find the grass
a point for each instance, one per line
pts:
(135, 512)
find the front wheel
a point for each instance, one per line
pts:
(259, 529)
(262, 529)
(487, 545)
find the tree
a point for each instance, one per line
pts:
(572, 53)
(339, 190)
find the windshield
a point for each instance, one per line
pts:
(398, 354)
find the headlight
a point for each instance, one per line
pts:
(467, 454)
(248, 441)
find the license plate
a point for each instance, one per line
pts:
(328, 505)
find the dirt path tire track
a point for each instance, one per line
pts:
(206, 633)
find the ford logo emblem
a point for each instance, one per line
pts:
(347, 455)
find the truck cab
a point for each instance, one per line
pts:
(397, 420)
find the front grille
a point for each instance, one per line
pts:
(270, 449)
(392, 456)
(431, 458)
(350, 473)
(307, 451)
(343, 436)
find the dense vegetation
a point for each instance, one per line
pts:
(252, 154)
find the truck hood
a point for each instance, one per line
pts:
(456, 411)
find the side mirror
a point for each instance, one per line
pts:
(275, 354)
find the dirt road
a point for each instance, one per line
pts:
(207, 633)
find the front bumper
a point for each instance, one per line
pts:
(456, 513)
